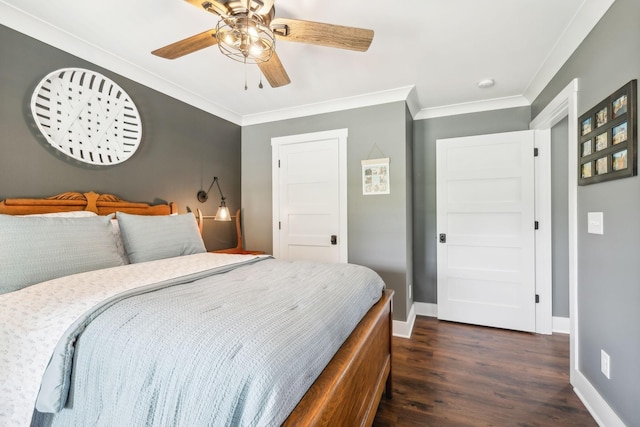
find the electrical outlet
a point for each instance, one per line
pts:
(605, 364)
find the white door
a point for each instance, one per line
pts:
(309, 203)
(485, 223)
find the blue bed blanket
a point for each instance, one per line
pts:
(238, 347)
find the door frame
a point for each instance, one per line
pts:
(276, 142)
(565, 104)
(543, 236)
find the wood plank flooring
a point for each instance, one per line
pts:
(450, 374)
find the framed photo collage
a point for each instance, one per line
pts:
(607, 138)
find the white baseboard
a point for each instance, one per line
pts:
(595, 404)
(426, 309)
(403, 329)
(561, 325)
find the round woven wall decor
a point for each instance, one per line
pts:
(86, 116)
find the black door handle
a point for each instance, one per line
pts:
(443, 238)
(334, 239)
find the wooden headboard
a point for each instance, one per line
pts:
(102, 204)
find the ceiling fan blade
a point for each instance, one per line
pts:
(322, 34)
(274, 71)
(188, 45)
(212, 6)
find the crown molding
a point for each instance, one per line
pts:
(583, 22)
(473, 107)
(366, 100)
(25, 23)
(580, 26)
(413, 103)
(31, 26)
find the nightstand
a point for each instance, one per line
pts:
(238, 249)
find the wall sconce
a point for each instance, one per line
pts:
(223, 211)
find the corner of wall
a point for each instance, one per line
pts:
(403, 329)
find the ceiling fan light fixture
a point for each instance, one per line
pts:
(256, 50)
(246, 32)
(245, 39)
(230, 39)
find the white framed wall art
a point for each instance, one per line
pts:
(375, 177)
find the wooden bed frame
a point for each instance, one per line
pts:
(346, 393)
(102, 204)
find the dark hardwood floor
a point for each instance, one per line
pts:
(450, 374)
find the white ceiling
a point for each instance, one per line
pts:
(432, 52)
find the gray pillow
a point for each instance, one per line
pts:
(37, 249)
(148, 238)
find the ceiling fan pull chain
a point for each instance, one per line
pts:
(245, 74)
(260, 85)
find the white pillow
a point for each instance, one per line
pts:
(72, 214)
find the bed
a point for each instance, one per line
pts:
(340, 388)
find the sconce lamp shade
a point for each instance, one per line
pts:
(223, 214)
(223, 211)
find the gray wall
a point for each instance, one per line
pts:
(426, 132)
(608, 265)
(182, 147)
(560, 218)
(378, 231)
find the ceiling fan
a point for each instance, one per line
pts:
(247, 30)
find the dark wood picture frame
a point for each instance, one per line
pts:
(607, 141)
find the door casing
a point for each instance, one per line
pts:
(565, 104)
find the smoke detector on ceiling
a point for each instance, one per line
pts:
(486, 83)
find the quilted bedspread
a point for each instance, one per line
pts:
(221, 345)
